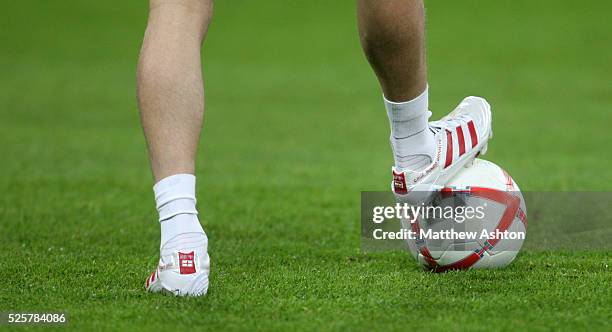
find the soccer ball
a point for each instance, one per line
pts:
(489, 237)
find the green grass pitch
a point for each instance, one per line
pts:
(295, 130)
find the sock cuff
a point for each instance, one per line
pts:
(175, 195)
(181, 181)
(408, 110)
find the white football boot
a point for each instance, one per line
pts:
(181, 272)
(460, 137)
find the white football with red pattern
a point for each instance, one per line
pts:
(503, 208)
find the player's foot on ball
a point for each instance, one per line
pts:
(182, 272)
(460, 137)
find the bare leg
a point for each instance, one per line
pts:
(170, 86)
(392, 36)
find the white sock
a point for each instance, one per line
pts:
(412, 142)
(178, 216)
